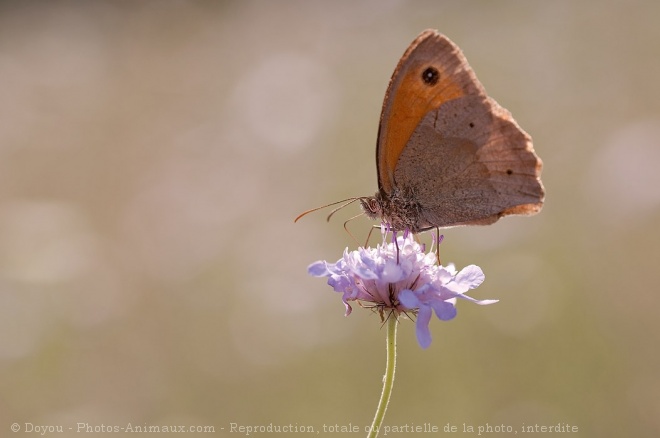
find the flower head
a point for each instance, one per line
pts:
(399, 277)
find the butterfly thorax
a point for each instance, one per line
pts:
(399, 209)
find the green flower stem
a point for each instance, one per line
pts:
(388, 379)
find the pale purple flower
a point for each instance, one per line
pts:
(400, 278)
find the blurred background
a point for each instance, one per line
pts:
(153, 156)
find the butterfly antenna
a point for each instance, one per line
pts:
(350, 200)
(371, 230)
(349, 231)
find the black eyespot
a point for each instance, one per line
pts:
(471, 125)
(430, 76)
(509, 172)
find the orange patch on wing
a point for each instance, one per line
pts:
(413, 100)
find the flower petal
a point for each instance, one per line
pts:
(480, 302)
(340, 283)
(409, 299)
(392, 272)
(444, 310)
(318, 269)
(422, 326)
(470, 276)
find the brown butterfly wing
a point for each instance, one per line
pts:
(468, 163)
(450, 148)
(408, 99)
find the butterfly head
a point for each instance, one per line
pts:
(399, 210)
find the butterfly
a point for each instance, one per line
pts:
(447, 154)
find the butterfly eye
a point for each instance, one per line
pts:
(373, 205)
(430, 76)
